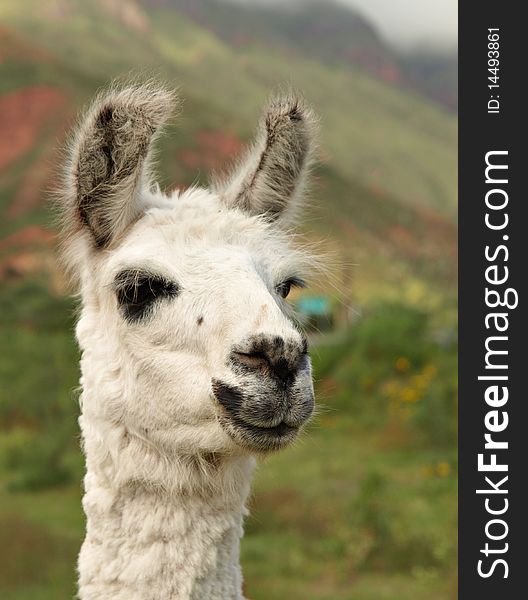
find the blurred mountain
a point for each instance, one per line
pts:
(385, 190)
(326, 31)
(433, 73)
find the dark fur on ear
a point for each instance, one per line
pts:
(109, 161)
(271, 178)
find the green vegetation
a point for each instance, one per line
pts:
(385, 136)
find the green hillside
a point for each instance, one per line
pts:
(371, 131)
(384, 151)
(344, 38)
(343, 35)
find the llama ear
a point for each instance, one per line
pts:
(110, 160)
(271, 178)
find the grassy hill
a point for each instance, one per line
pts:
(385, 152)
(344, 38)
(377, 133)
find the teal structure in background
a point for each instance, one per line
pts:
(315, 312)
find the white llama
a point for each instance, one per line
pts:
(191, 365)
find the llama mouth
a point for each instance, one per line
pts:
(259, 439)
(258, 423)
(280, 430)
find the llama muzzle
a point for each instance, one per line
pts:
(273, 395)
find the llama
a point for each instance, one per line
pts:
(191, 364)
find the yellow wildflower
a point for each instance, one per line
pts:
(402, 364)
(443, 469)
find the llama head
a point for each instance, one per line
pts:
(187, 337)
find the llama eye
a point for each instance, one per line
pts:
(136, 293)
(284, 288)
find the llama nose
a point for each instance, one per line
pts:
(271, 355)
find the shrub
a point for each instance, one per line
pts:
(390, 366)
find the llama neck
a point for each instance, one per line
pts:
(147, 541)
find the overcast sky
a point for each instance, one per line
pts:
(408, 22)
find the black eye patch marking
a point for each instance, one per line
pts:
(283, 288)
(137, 291)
